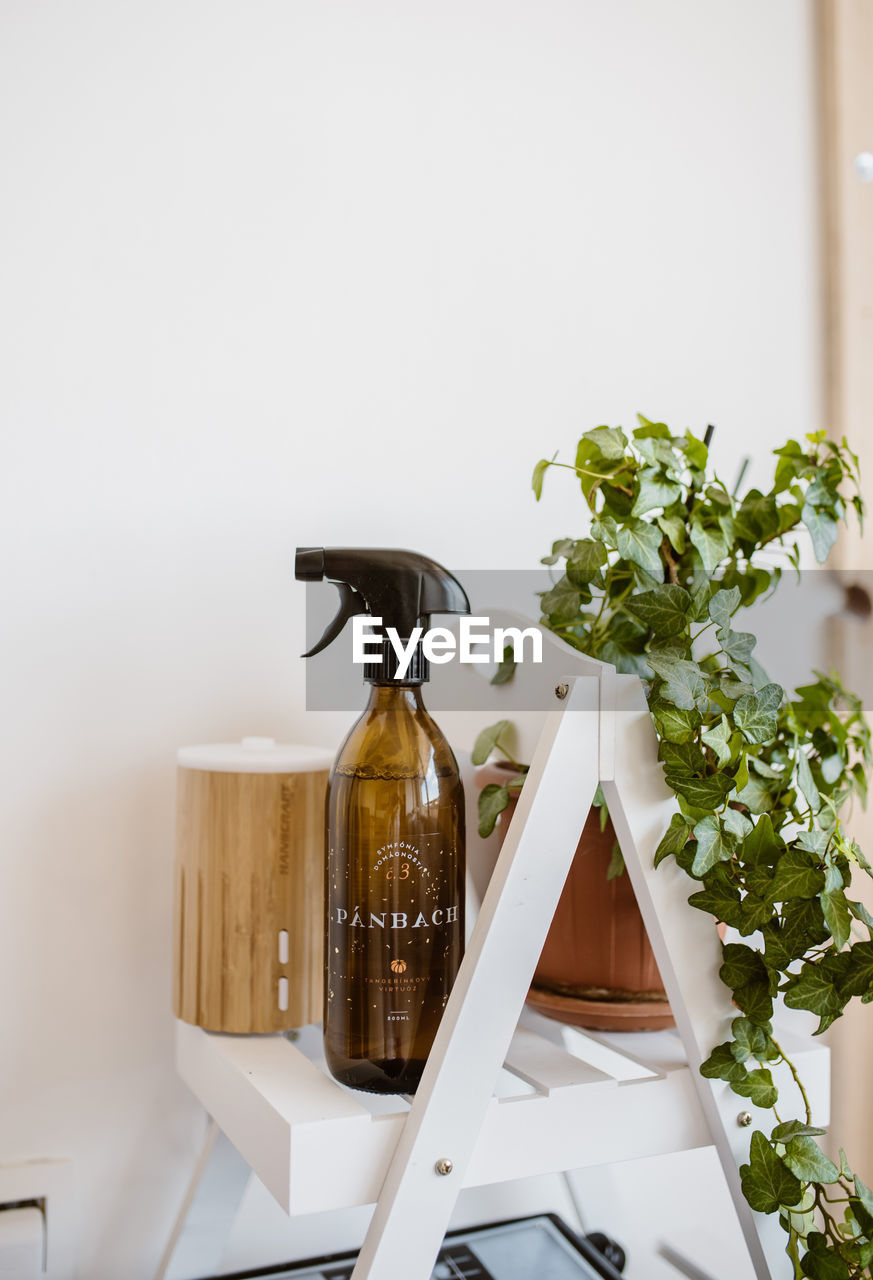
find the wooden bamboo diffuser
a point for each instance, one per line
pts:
(249, 928)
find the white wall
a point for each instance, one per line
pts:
(278, 273)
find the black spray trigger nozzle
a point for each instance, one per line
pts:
(399, 590)
(350, 604)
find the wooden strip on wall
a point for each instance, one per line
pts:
(846, 61)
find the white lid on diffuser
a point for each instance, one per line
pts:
(255, 755)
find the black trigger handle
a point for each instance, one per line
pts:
(351, 604)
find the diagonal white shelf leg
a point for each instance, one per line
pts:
(415, 1203)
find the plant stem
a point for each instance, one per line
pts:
(791, 1067)
(511, 759)
(596, 475)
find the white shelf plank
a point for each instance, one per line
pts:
(546, 1066)
(261, 1090)
(319, 1146)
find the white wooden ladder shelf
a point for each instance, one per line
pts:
(500, 1098)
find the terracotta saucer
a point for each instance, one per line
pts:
(603, 1015)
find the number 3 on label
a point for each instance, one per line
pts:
(401, 874)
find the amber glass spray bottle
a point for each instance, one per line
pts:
(395, 833)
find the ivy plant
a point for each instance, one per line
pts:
(761, 776)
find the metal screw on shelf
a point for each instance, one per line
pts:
(561, 690)
(444, 1166)
(744, 1119)
(864, 165)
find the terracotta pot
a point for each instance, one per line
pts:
(597, 968)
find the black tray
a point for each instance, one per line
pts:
(540, 1247)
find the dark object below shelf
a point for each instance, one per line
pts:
(541, 1245)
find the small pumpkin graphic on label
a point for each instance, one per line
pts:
(398, 966)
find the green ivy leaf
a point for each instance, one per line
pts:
(718, 739)
(741, 774)
(741, 965)
(658, 452)
(700, 593)
(733, 688)
(506, 668)
(710, 542)
(722, 1065)
(685, 757)
(814, 990)
(835, 909)
(758, 1086)
(749, 1040)
(736, 823)
(805, 1158)
(651, 430)
(820, 1262)
(764, 769)
(754, 913)
(814, 842)
(755, 714)
(833, 879)
(737, 647)
(757, 518)
(762, 847)
(723, 606)
(802, 926)
(756, 1000)
(791, 459)
(683, 683)
(664, 610)
(561, 550)
(674, 838)
(807, 784)
(695, 451)
(561, 604)
(831, 768)
(539, 471)
(719, 898)
(701, 793)
(492, 801)
(593, 466)
(756, 796)
(586, 560)
(796, 877)
(611, 442)
(860, 912)
(673, 527)
(865, 1195)
(655, 490)
(640, 543)
(616, 863)
(488, 741)
(767, 1184)
(854, 852)
(823, 529)
(673, 723)
(795, 1129)
(858, 980)
(605, 530)
(713, 845)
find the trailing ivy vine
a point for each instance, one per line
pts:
(760, 777)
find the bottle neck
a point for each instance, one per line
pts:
(383, 669)
(395, 697)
